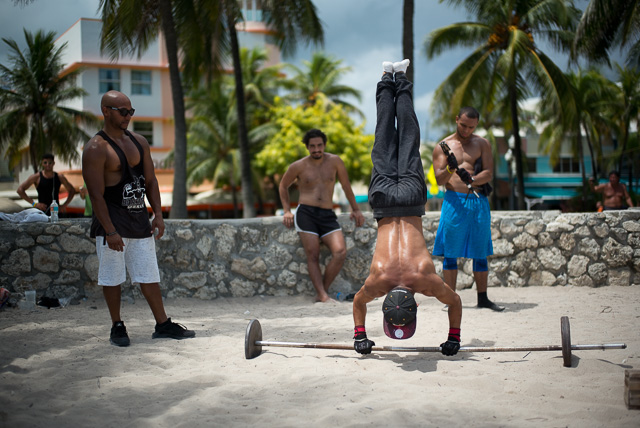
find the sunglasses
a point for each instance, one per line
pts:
(123, 111)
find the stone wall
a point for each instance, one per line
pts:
(207, 259)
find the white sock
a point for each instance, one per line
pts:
(387, 67)
(401, 66)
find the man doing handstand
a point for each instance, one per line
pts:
(401, 264)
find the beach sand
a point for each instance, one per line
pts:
(59, 370)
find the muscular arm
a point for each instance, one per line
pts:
(94, 158)
(626, 195)
(22, 190)
(440, 166)
(599, 188)
(152, 189)
(360, 301)
(343, 178)
(70, 189)
(287, 180)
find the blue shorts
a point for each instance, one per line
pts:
(316, 220)
(465, 227)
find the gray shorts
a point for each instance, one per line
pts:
(138, 257)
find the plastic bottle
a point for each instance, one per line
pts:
(54, 211)
(340, 296)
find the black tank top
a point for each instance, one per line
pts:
(48, 189)
(125, 200)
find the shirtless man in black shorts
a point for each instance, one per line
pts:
(315, 220)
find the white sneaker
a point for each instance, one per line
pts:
(387, 67)
(401, 67)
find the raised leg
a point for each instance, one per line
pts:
(409, 163)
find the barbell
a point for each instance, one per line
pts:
(253, 344)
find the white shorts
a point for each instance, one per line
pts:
(138, 257)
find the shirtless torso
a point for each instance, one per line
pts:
(401, 259)
(316, 179)
(467, 152)
(615, 195)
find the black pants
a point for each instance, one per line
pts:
(397, 187)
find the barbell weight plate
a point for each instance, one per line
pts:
(253, 334)
(565, 331)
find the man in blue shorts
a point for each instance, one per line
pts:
(118, 172)
(401, 265)
(463, 163)
(315, 220)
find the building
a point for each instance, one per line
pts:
(145, 80)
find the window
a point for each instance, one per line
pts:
(140, 82)
(567, 166)
(145, 129)
(532, 165)
(109, 80)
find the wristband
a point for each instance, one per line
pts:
(115, 232)
(454, 333)
(34, 204)
(448, 170)
(359, 329)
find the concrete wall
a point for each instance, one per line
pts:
(207, 259)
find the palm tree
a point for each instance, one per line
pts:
(593, 94)
(629, 108)
(321, 76)
(33, 98)
(188, 27)
(290, 20)
(506, 62)
(407, 35)
(212, 137)
(607, 23)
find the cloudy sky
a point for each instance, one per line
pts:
(362, 33)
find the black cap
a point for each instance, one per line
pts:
(399, 310)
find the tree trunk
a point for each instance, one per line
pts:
(517, 149)
(625, 139)
(179, 204)
(585, 185)
(594, 168)
(248, 210)
(407, 35)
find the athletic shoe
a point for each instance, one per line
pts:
(169, 329)
(488, 304)
(119, 336)
(387, 67)
(401, 67)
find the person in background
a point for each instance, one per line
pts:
(48, 183)
(615, 195)
(463, 163)
(315, 220)
(118, 172)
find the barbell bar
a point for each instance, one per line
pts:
(253, 344)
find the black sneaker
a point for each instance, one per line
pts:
(119, 336)
(490, 305)
(169, 329)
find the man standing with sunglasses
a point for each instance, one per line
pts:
(118, 172)
(47, 184)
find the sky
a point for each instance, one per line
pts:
(361, 33)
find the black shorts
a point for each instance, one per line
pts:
(315, 220)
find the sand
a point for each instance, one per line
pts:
(59, 370)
